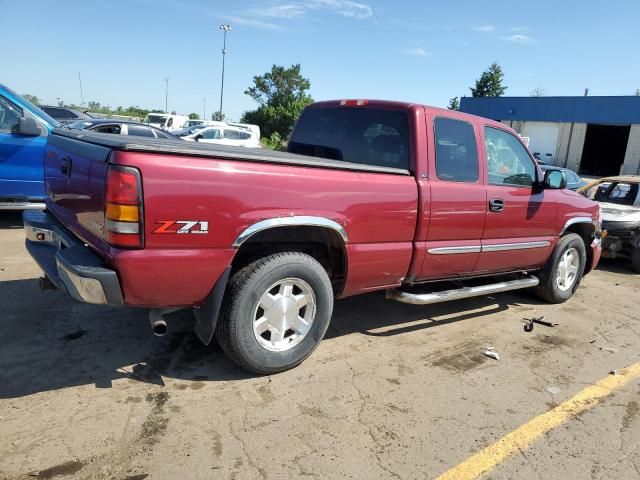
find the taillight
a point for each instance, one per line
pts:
(123, 208)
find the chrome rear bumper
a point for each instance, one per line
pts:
(68, 263)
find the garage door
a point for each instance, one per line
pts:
(543, 139)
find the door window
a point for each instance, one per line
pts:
(508, 160)
(456, 151)
(213, 134)
(9, 116)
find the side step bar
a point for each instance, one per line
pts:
(460, 293)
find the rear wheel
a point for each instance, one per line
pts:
(561, 276)
(276, 312)
(635, 259)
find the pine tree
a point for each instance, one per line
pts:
(490, 83)
(454, 104)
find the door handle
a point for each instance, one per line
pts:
(65, 166)
(496, 204)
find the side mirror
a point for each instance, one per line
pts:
(28, 127)
(554, 180)
(197, 137)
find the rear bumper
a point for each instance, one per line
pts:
(68, 263)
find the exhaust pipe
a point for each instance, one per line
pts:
(158, 323)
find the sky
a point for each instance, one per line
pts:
(417, 50)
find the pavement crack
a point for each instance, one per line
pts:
(380, 447)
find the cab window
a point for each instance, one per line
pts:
(508, 160)
(456, 151)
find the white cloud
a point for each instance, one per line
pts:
(291, 10)
(520, 29)
(519, 38)
(485, 28)
(250, 22)
(345, 8)
(418, 52)
(300, 8)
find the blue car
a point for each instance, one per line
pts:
(24, 129)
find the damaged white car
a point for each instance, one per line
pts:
(619, 199)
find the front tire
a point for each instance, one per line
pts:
(562, 274)
(275, 313)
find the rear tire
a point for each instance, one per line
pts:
(275, 313)
(635, 260)
(562, 274)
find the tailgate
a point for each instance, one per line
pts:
(75, 180)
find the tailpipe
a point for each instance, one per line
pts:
(158, 323)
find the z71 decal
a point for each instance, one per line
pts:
(182, 226)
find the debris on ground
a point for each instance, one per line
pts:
(491, 353)
(528, 323)
(612, 350)
(552, 390)
(613, 372)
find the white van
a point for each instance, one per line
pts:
(166, 121)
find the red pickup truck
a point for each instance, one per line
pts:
(371, 195)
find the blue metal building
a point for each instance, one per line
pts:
(593, 135)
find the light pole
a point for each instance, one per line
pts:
(81, 95)
(204, 108)
(226, 28)
(166, 95)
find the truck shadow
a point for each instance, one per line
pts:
(50, 342)
(10, 220)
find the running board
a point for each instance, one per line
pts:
(460, 293)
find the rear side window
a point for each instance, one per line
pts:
(137, 131)
(456, 151)
(115, 129)
(369, 136)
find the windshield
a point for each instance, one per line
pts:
(622, 193)
(34, 108)
(160, 119)
(371, 136)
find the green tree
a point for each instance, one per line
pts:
(490, 83)
(61, 103)
(637, 92)
(282, 95)
(194, 116)
(454, 104)
(218, 116)
(537, 92)
(32, 98)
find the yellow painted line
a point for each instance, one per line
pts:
(524, 436)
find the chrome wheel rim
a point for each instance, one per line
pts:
(568, 267)
(284, 314)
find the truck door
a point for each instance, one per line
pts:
(521, 219)
(21, 157)
(458, 200)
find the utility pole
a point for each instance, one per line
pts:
(81, 95)
(166, 95)
(226, 28)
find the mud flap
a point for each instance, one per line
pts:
(207, 313)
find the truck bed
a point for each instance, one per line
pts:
(127, 143)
